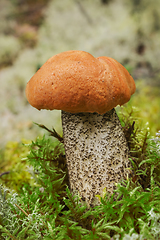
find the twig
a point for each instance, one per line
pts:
(53, 132)
(9, 234)
(4, 173)
(84, 12)
(22, 210)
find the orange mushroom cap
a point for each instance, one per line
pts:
(75, 81)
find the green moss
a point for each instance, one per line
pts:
(143, 149)
(14, 170)
(147, 104)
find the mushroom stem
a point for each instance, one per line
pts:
(96, 153)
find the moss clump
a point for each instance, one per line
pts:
(143, 148)
(148, 101)
(13, 169)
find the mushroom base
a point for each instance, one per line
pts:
(96, 153)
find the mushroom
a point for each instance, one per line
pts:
(87, 89)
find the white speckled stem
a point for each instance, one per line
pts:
(96, 153)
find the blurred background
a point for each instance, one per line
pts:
(33, 31)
